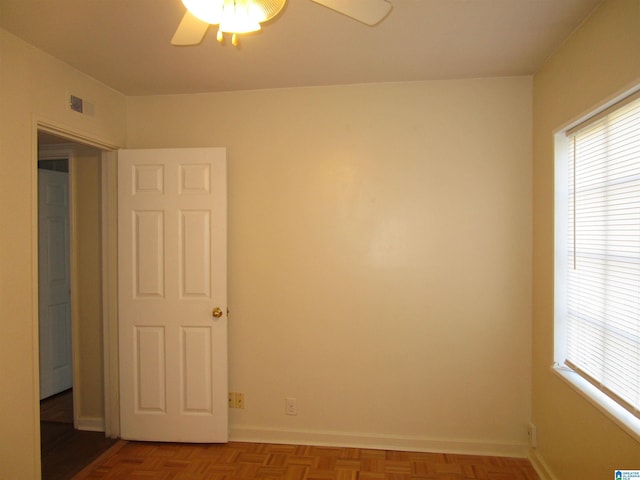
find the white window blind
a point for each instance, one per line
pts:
(603, 274)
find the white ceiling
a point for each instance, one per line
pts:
(126, 43)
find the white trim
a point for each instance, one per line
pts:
(110, 294)
(72, 134)
(561, 222)
(540, 466)
(375, 441)
(35, 315)
(612, 409)
(630, 89)
(56, 152)
(90, 424)
(602, 113)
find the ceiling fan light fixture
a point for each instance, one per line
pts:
(209, 11)
(234, 16)
(241, 14)
(238, 23)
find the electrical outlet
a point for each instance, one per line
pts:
(291, 406)
(236, 400)
(533, 435)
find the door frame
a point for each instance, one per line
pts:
(109, 270)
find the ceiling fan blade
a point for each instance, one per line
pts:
(190, 31)
(370, 12)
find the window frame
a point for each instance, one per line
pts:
(610, 407)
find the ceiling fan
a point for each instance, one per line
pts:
(244, 16)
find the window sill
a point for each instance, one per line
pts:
(623, 418)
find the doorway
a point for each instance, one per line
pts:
(54, 302)
(72, 423)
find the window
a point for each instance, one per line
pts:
(598, 252)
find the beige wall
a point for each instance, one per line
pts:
(32, 86)
(379, 257)
(575, 440)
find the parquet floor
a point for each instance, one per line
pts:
(254, 461)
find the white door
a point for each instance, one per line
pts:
(53, 282)
(172, 294)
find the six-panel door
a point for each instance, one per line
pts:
(172, 274)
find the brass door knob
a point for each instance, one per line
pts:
(217, 312)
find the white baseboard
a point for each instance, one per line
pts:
(90, 424)
(384, 442)
(540, 466)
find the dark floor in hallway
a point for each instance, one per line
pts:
(64, 450)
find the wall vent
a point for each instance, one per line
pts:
(80, 105)
(76, 104)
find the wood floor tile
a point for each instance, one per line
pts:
(253, 461)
